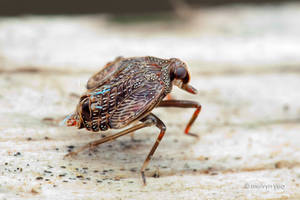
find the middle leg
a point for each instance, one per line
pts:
(159, 124)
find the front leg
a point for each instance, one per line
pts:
(184, 104)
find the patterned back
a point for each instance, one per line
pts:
(126, 90)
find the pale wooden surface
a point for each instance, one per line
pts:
(244, 61)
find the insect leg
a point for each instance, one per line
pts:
(159, 124)
(95, 143)
(169, 97)
(184, 104)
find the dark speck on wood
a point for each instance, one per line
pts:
(17, 154)
(61, 175)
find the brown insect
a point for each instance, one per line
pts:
(127, 90)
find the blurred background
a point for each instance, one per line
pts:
(240, 33)
(15, 7)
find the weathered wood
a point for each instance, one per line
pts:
(245, 63)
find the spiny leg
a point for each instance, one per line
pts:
(93, 144)
(159, 124)
(184, 104)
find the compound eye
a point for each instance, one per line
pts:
(180, 73)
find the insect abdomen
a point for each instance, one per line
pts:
(103, 102)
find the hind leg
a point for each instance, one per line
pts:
(93, 144)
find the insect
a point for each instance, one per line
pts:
(126, 91)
